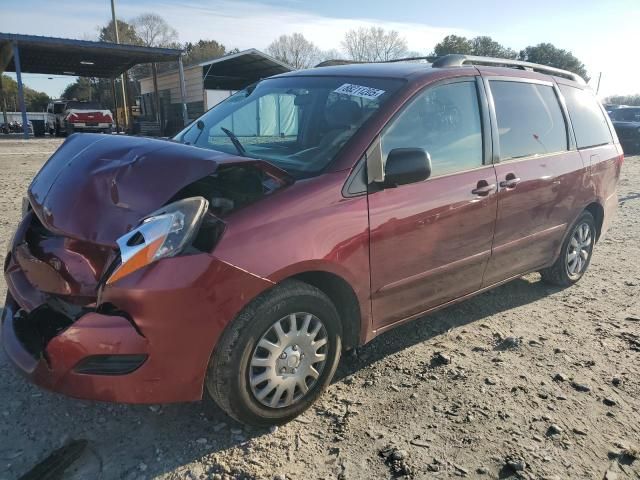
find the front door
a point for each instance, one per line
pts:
(431, 240)
(535, 175)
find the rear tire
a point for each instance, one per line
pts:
(576, 253)
(256, 384)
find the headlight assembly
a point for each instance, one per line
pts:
(164, 233)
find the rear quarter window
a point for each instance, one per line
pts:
(530, 121)
(589, 123)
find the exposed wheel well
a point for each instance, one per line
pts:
(598, 215)
(344, 299)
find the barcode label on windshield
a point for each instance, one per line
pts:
(359, 91)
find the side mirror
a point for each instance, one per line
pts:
(406, 165)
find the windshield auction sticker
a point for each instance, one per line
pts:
(359, 91)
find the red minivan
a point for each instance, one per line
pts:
(301, 217)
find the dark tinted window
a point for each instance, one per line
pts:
(445, 121)
(626, 115)
(589, 123)
(530, 121)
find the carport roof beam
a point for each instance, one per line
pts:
(64, 56)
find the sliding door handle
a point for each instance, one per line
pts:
(510, 182)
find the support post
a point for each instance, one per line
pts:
(122, 77)
(125, 100)
(115, 104)
(23, 108)
(4, 103)
(156, 95)
(183, 92)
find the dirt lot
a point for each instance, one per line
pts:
(531, 382)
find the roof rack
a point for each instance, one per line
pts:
(429, 59)
(457, 60)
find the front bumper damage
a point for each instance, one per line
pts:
(147, 338)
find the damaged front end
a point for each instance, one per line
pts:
(111, 273)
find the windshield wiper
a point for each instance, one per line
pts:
(235, 141)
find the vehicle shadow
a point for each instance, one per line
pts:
(516, 293)
(126, 441)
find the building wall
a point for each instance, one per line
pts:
(214, 97)
(17, 116)
(171, 81)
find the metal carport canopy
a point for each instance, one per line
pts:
(235, 71)
(84, 58)
(63, 56)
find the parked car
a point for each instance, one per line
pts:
(305, 215)
(626, 121)
(69, 116)
(609, 107)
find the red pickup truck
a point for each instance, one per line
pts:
(70, 116)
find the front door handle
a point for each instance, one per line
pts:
(510, 181)
(483, 188)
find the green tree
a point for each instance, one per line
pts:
(126, 33)
(453, 44)
(202, 50)
(484, 46)
(624, 100)
(82, 89)
(550, 55)
(34, 100)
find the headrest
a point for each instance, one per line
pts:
(343, 114)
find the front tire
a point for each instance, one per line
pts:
(277, 356)
(575, 255)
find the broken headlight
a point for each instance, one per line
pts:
(163, 233)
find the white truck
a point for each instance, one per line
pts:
(65, 117)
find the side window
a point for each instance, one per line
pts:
(445, 121)
(530, 121)
(589, 124)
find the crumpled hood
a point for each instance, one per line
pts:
(98, 187)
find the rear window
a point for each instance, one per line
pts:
(83, 105)
(589, 123)
(530, 121)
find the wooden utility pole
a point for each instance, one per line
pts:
(124, 91)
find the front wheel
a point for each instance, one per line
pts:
(575, 255)
(277, 357)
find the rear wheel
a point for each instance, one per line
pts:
(277, 356)
(576, 253)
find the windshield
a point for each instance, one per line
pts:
(297, 123)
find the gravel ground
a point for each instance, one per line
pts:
(526, 381)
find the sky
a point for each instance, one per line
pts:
(603, 34)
